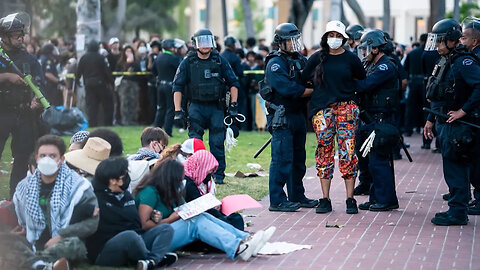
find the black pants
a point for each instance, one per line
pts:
(96, 96)
(165, 108)
(414, 116)
(19, 124)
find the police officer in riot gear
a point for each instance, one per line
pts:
(203, 78)
(354, 33)
(17, 104)
(380, 97)
(471, 40)
(454, 89)
(231, 44)
(286, 120)
(164, 68)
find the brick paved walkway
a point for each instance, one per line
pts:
(401, 239)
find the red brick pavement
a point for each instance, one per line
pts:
(400, 239)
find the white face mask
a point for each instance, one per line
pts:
(334, 43)
(47, 166)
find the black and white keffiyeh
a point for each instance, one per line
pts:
(67, 192)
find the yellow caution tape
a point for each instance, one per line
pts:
(116, 73)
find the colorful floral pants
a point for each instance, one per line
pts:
(341, 120)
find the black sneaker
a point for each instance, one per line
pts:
(446, 196)
(168, 259)
(381, 207)
(352, 206)
(448, 220)
(324, 206)
(436, 151)
(365, 206)
(362, 189)
(308, 203)
(440, 214)
(219, 181)
(474, 209)
(425, 146)
(285, 207)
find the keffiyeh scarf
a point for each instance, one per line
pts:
(67, 192)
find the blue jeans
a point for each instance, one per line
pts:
(128, 247)
(208, 229)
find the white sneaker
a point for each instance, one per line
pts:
(246, 248)
(266, 236)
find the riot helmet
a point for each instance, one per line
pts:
(288, 33)
(16, 22)
(389, 48)
(168, 44)
(354, 31)
(203, 38)
(442, 31)
(471, 23)
(370, 40)
(230, 41)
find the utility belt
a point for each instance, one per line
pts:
(279, 120)
(166, 83)
(384, 98)
(221, 104)
(381, 117)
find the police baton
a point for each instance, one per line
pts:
(262, 148)
(446, 116)
(5, 59)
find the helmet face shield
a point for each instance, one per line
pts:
(364, 50)
(293, 44)
(433, 40)
(471, 22)
(206, 41)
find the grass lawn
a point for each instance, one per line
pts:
(237, 159)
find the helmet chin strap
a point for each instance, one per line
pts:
(202, 53)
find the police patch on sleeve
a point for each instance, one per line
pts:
(275, 67)
(383, 67)
(467, 62)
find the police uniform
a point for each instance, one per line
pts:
(236, 64)
(458, 88)
(16, 116)
(288, 141)
(53, 95)
(380, 88)
(164, 69)
(475, 173)
(203, 82)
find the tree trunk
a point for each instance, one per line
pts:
(456, 10)
(386, 16)
(88, 28)
(437, 12)
(357, 9)
(299, 12)
(116, 27)
(335, 10)
(247, 15)
(224, 18)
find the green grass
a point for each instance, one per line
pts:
(237, 159)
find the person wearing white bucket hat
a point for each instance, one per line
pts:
(333, 71)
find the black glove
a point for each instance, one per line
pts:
(179, 118)
(233, 109)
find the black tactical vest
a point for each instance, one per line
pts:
(383, 99)
(206, 83)
(16, 96)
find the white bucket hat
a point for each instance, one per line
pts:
(336, 26)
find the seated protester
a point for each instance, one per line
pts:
(180, 152)
(120, 239)
(85, 161)
(153, 140)
(56, 210)
(78, 140)
(198, 173)
(112, 138)
(161, 192)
